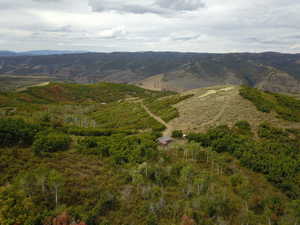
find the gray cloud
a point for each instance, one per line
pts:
(107, 5)
(47, 1)
(141, 25)
(181, 5)
(160, 7)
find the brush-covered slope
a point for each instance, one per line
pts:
(220, 105)
(104, 106)
(67, 158)
(173, 71)
(78, 93)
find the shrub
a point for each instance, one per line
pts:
(177, 134)
(243, 124)
(242, 127)
(16, 132)
(88, 143)
(288, 108)
(203, 139)
(122, 149)
(275, 154)
(52, 142)
(266, 131)
(98, 132)
(256, 97)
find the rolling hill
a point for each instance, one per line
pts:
(165, 70)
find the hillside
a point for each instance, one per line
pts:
(221, 105)
(88, 155)
(165, 70)
(77, 93)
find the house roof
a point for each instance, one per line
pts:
(165, 139)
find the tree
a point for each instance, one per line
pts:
(191, 150)
(199, 182)
(295, 206)
(137, 179)
(26, 182)
(41, 175)
(56, 180)
(16, 132)
(52, 142)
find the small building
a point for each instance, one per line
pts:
(164, 140)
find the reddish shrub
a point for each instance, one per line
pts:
(185, 220)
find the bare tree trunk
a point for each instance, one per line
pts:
(56, 196)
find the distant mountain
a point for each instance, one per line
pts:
(50, 52)
(39, 52)
(165, 70)
(7, 53)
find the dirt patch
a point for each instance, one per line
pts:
(36, 85)
(154, 83)
(209, 92)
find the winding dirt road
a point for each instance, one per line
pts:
(169, 128)
(173, 124)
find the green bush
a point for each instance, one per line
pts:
(122, 149)
(88, 143)
(177, 134)
(52, 142)
(98, 132)
(203, 139)
(266, 131)
(16, 132)
(256, 97)
(288, 108)
(244, 125)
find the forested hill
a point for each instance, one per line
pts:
(179, 71)
(78, 154)
(58, 93)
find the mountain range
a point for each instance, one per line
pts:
(174, 71)
(38, 52)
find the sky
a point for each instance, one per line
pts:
(217, 26)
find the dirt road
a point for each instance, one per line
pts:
(169, 128)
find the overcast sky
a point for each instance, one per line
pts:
(143, 25)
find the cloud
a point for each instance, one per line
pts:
(47, 1)
(181, 5)
(117, 32)
(295, 47)
(184, 36)
(142, 25)
(161, 7)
